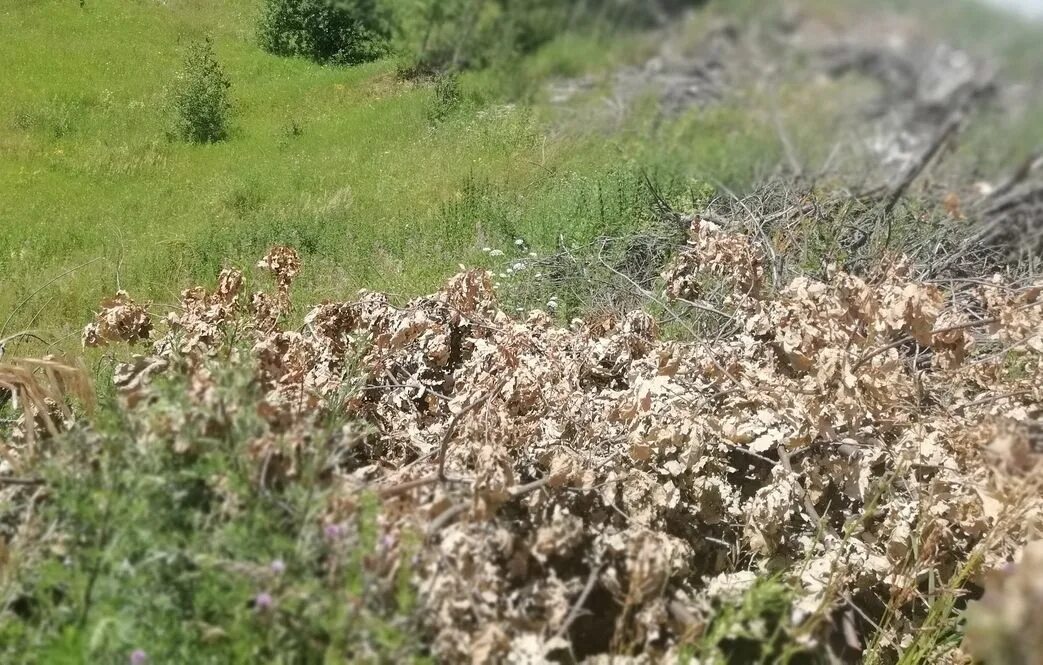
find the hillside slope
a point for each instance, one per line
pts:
(731, 353)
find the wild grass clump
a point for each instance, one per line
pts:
(447, 97)
(346, 32)
(194, 532)
(200, 101)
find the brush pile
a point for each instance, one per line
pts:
(869, 443)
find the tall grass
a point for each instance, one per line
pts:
(344, 163)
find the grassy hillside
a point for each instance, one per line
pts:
(343, 163)
(274, 493)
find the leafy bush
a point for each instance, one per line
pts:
(334, 31)
(201, 104)
(447, 97)
(472, 34)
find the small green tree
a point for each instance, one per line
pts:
(338, 31)
(200, 99)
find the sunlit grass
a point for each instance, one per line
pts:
(342, 162)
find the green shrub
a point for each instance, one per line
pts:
(471, 34)
(447, 97)
(201, 105)
(448, 35)
(328, 31)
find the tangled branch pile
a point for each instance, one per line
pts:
(871, 443)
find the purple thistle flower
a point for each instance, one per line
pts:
(278, 567)
(138, 657)
(264, 601)
(334, 531)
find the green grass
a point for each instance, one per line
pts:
(149, 544)
(343, 163)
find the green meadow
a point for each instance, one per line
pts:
(344, 163)
(348, 164)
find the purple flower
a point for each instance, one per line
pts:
(264, 601)
(138, 657)
(278, 567)
(334, 531)
(387, 542)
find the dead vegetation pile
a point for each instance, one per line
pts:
(869, 443)
(38, 390)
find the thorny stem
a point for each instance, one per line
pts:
(809, 507)
(95, 570)
(941, 331)
(18, 335)
(577, 607)
(450, 430)
(30, 482)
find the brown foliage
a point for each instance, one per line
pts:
(858, 436)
